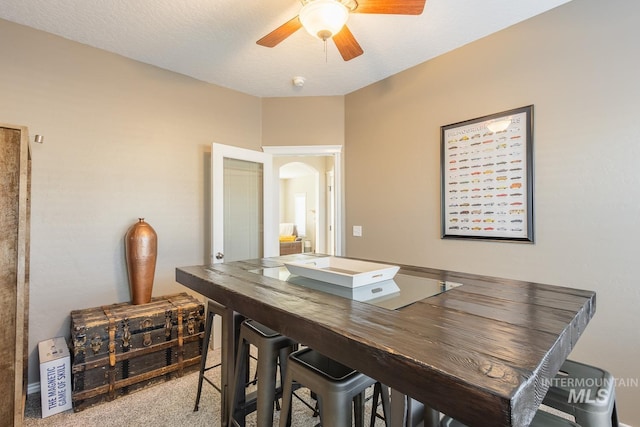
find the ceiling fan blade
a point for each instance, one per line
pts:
(391, 7)
(347, 44)
(280, 33)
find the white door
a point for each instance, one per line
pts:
(244, 224)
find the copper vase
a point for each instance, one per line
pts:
(141, 250)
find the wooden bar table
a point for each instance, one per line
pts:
(484, 352)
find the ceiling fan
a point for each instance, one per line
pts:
(326, 19)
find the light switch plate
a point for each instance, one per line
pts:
(357, 231)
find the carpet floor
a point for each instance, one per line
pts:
(165, 404)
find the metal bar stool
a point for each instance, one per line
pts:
(585, 392)
(380, 393)
(541, 419)
(414, 413)
(213, 309)
(335, 385)
(271, 347)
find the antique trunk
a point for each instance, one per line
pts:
(120, 348)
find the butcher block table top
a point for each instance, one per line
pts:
(483, 352)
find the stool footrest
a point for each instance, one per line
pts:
(541, 419)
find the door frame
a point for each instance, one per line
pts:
(319, 150)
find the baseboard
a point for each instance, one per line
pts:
(33, 388)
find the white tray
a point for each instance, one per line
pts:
(341, 271)
(364, 293)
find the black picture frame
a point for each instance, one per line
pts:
(487, 177)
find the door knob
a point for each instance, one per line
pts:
(219, 255)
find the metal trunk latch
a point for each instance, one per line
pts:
(146, 337)
(126, 334)
(96, 343)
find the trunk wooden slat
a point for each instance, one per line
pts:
(122, 347)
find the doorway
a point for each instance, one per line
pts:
(325, 162)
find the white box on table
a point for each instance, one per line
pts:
(55, 376)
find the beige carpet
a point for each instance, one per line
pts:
(166, 404)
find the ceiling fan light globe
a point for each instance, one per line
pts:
(324, 18)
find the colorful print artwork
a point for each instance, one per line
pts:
(486, 173)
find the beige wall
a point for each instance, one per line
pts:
(122, 140)
(579, 66)
(303, 121)
(125, 140)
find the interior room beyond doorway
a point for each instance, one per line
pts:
(306, 204)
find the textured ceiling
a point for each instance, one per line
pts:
(214, 40)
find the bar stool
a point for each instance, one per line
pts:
(335, 385)
(380, 395)
(415, 413)
(271, 347)
(585, 392)
(541, 419)
(215, 309)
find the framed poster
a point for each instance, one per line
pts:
(487, 177)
